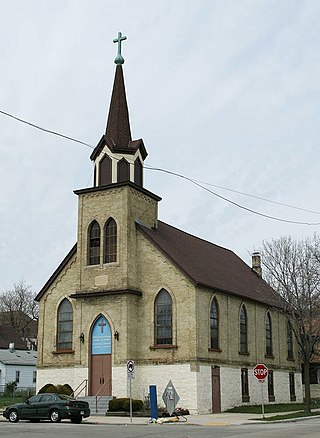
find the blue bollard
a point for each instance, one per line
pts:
(153, 402)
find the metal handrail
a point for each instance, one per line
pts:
(85, 382)
(96, 396)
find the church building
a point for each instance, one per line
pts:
(135, 288)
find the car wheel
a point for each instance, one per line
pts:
(76, 420)
(13, 416)
(55, 416)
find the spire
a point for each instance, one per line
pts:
(118, 125)
(117, 157)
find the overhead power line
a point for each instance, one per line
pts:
(193, 181)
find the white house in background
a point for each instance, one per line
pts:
(18, 366)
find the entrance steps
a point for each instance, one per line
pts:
(102, 404)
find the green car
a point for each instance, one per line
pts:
(53, 407)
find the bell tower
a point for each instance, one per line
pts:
(109, 211)
(117, 158)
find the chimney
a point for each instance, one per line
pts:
(11, 347)
(256, 264)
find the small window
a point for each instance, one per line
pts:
(105, 171)
(270, 386)
(123, 170)
(138, 172)
(268, 336)
(65, 326)
(34, 380)
(214, 325)
(17, 376)
(163, 318)
(94, 244)
(245, 385)
(289, 341)
(243, 330)
(292, 387)
(110, 248)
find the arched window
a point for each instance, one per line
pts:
(65, 326)
(94, 243)
(268, 335)
(289, 340)
(123, 170)
(243, 330)
(214, 325)
(163, 318)
(138, 172)
(105, 171)
(110, 247)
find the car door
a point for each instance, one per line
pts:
(29, 408)
(44, 405)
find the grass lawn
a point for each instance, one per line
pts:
(6, 401)
(270, 408)
(289, 416)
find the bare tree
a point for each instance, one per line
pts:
(293, 270)
(18, 308)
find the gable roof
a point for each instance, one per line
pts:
(18, 357)
(9, 335)
(210, 265)
(30, 326)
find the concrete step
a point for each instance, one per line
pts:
(102, 405)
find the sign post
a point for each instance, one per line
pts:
(260, 371)
(130, 371)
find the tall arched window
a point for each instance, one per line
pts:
(110, 246)
(289, 340)
(123, 170)
(94, 243)
(163, 318)
(65, 326)
(214, 325)
(243, 330)
(268, 335)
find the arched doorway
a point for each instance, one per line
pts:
(100, 363)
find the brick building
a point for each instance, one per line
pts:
(133, 287)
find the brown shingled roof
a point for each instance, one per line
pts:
(209, 265)
(9, 335)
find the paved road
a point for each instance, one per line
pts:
(307, 429)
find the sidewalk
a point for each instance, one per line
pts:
(223, 419)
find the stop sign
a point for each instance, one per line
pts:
(260, 371)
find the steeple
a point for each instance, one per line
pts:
(117, 157)
(118, 124)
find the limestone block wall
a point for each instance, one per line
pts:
(125, 205)
(74, 376)
(157, 272)
(229, 333)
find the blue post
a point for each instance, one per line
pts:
(153, 401)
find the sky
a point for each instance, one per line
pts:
(226, 92)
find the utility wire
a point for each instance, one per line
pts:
(193, 181)
(47, 130)
(229, 200)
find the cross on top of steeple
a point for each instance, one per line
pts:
(119, 59)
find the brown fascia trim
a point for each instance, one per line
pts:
(116, 185)
(104, 293)
(57, 272)
(131, 149)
